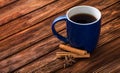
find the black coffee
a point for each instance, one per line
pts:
(83, 18)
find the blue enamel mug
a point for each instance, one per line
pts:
(80, 35)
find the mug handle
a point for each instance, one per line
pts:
(60, 18)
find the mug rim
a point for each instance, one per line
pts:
(83, 23)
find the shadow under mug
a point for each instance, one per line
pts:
(80, 35)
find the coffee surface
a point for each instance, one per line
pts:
(83, 18)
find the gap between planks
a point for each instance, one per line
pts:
(49, 38)
(36, 26)
(59, 66)
(27, 24)
(96, 58)
(4, 3)
(19, 8)
(33, 18)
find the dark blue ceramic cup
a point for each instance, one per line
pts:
(80, 35)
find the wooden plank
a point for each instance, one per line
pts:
(113, 11)
(113, 35)
(42, 62)
(35, 17)
(105, 60)
(16, 42)
(115, 25)
(39, 63)
(105, 38)
(49, 68)
(25, 57)
(20, 8)
(61, 66)
(36, 33)
(46, 48)
(100, 4)
(110, 67)
(5, 2)
(116, 70)
(31, 36)
(110, 27)
(22, 44)
(102, 56)
(29, 54)
(56, 65)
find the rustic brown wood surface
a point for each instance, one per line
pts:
(27, 44)
(6, 2)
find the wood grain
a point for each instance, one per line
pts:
(105, 39)
(39, 63)
(20, 8)
(110, 67)
(100, 4)
(26, 61)
(15, 45)
(51, 67)
(6, 2)
(33, 34)
(111, 26)
(35, 17)
(60, 66)
(28, 55)
(101, 56)
(39, 15)
(31, 47)
(113, 32)
(113, 35)
(8, 43)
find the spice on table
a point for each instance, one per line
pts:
(73, 50)
(71, 54)
(63, 54)
(69, 61)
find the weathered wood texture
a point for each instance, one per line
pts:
(6, 2)
(35, 17)
(20, 8)
(27, 44)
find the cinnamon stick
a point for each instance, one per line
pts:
(73, 50)
(63, 54)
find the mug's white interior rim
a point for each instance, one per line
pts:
(84, 9)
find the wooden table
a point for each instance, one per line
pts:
(28, 45)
